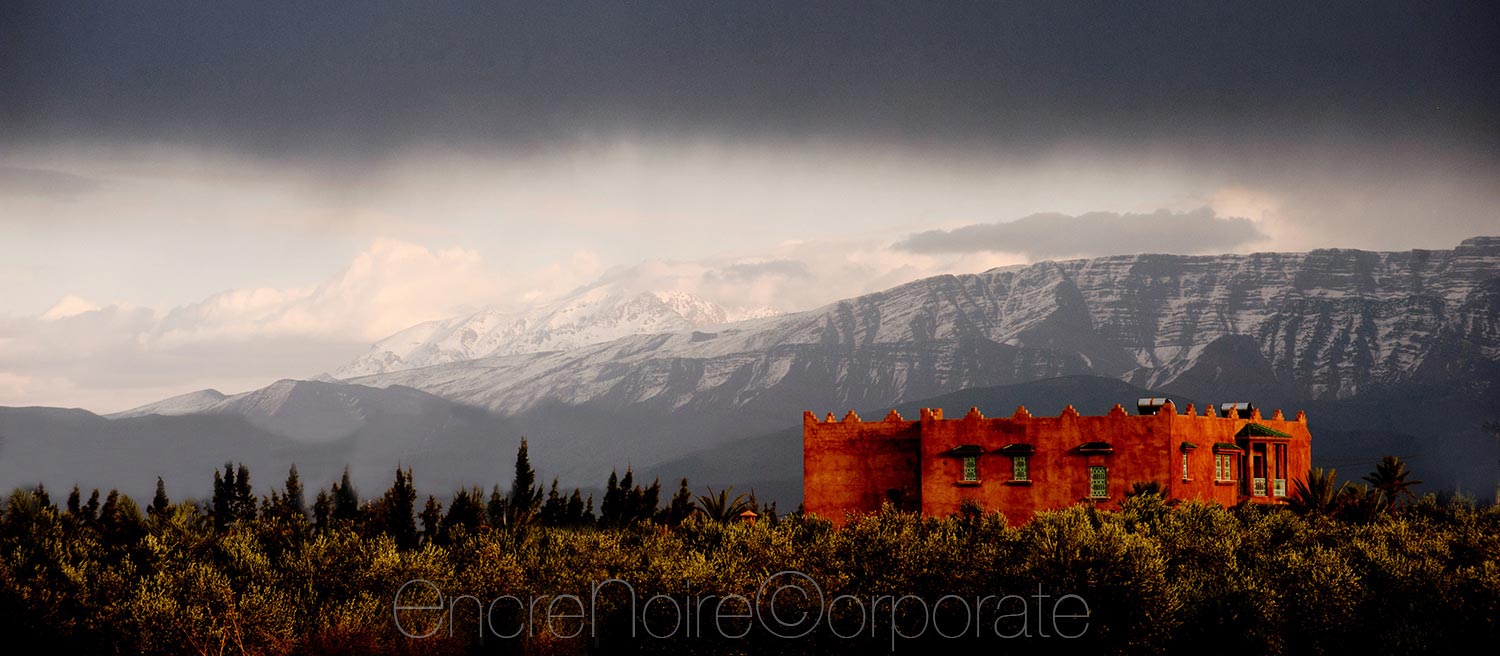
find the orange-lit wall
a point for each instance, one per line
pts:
(852, 465)
(856, 465)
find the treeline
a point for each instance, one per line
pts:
(394, 513)
(239, 574)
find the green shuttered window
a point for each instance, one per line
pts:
(1098, 482)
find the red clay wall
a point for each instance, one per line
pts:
(1205, 430)
(851, 465)
(1058, 473)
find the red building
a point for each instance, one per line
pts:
(1022, 464)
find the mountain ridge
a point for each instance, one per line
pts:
(591, 315)
(1326, 323)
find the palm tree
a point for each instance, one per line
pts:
(1390, 477)
(1320, 493)
(1363, 502)
(720, 507)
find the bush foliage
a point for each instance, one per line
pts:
(191, 578)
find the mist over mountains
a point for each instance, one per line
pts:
(595, 314)
(1389, 352)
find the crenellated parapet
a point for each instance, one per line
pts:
(893, 420)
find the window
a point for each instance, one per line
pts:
(1224, 466)
(971, 468)
(1098, 482)
(1018, 469)
(1184, 467)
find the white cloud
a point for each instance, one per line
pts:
(800, 275)
(69, 306)
(1054, 235)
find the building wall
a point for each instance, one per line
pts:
(1206, 430)
(852, 465)
(1058, 472)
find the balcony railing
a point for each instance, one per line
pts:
(1259, 487)
(1280, 487)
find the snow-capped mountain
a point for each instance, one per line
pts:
(589, 316)
(183, 404)
(1322, 324)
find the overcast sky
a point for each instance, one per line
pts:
(222, 194)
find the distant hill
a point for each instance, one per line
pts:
(322, 427)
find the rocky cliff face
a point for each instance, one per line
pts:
(1317, 325)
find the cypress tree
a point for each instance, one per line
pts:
(120, 520)
(244, 495)
(323, 509)
(554, 512)
(223, 501)
(294, 500)
(432, 515)
(609, 509)
(109, 504)
(91, 510)
(159, 502)
(626, 499)
(524, 493)
(466, 511)
(400, 503)
(647, 500)
(627, 491)
(682, 504)
(496, 507)
(630, 500)
(345, 499)
(273, 506)
(574, 514)
(75, 502)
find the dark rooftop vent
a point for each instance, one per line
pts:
(1242, 407)
(1150, 404)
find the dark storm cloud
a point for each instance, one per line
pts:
(362, 78)
(1041, 236)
